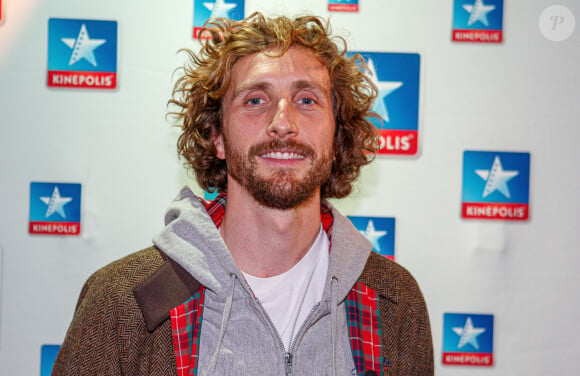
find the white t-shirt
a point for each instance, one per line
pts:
(289, 297)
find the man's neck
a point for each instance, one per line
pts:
(264, 241)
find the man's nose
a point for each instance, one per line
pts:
(283, 123)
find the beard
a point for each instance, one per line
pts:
(279, 189)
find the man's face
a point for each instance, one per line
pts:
(278, 127)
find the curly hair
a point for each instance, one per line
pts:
(199, 91)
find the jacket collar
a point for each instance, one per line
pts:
(171, 285)
(168, 287)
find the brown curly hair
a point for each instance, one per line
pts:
(199, 91)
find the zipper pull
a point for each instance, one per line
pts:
(288, 362)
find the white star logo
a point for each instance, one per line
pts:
(385, 88)
(220, 9)
(373, 235)
(83, 47)
(496, 178)
(468, 334)
(55, 203)
(478, 12)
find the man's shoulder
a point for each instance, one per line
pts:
(147, 281)
(390, 279)
(129, 271)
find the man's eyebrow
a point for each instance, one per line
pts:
(260, 85)
(263, 85)
(310, 85)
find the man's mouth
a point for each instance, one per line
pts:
(283, 155)
(277, 150)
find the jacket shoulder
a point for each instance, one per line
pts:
(108, 335)
(148, 280)
(121, 276)
(390, 279)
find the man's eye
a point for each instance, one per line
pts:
(306, 101)
(255, 101)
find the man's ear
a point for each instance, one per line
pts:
(218, 141)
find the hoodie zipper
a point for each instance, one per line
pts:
(288, 355)
(288, 363)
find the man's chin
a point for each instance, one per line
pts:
(282, 201)
(283, 193)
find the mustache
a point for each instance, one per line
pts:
(281, 145)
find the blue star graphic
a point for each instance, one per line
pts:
(385, 88)
(478, 12)
(56, 203)
(83, 47)
(468, 334)
(373, 235)
(496, 178)
(220, 9)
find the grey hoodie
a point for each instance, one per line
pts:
(237, 337)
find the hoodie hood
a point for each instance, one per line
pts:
(349, 251)
(192, 239)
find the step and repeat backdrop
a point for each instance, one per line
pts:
(474, 189)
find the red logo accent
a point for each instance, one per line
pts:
(60, 228)
(398, 142)
(514, 212)
(343, 7)
(468, 359)
(482, 36)
(197, 31)
(85, 80)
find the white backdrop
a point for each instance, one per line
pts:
(520, 95)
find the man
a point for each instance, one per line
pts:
(268, 279)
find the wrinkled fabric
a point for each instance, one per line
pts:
(250, 344)
(111, 335)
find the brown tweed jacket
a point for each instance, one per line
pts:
(121, 323)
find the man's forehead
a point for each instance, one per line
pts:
(296, 64)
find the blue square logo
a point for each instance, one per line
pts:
(204, 10)
(55, 208)
(48, 355)
(479, 21)
(467, 339)
(496, 185)
(82, 53)
(343, 5)
(380, 231)
(396, 76)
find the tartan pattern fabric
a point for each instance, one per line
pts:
(216, 208)
(185, 329)
(364, 327)
(186, 319)
(327, 221)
